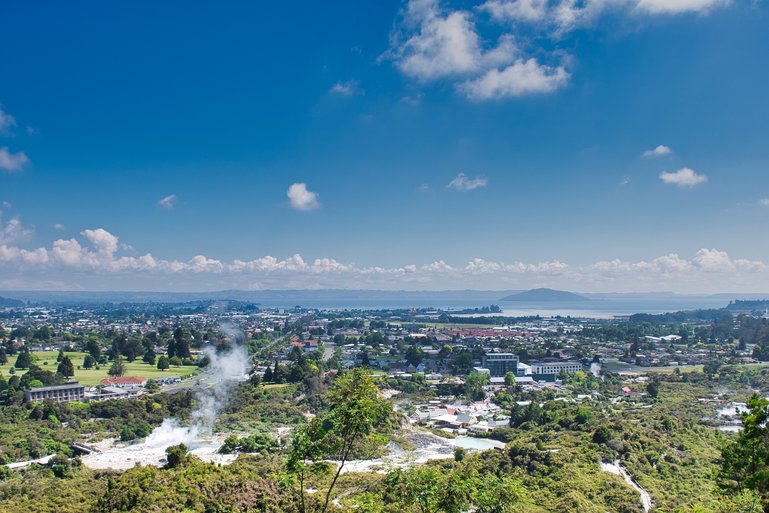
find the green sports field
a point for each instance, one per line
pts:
(47, 360)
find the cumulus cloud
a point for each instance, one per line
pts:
(6, 122)
(659, 151)
(97, 253)
(463, 183)
(13, 231)
(518, 79)
(477, 48)
(481, 266)
(684, 177)
(12, 162)
(349, 88)
(516, 10)
(435, 43)
(443, 45)
(168, 202)
(678, 6)
(302, 198)
(104, 241)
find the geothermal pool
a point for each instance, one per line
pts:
(152, 451)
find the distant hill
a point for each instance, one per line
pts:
(545, 295)
(4, 301)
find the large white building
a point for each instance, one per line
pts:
(73, 391)
(555, 367)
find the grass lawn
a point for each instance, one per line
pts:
(614, 366)
(272, 386)
(47, 360)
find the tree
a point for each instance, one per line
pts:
(117, 368)
(92, 348)
(355, 411)
(462, 363)
(24, 360)
(474, 385)
(171, 348)
(163, 362)
(181, 345)
(89, 361)
(510, 379)
(66, 368)
(149, 357)
(3, 356)
(653, 389)
(414, 355)
(745, 459)
(182, 348)
(176, 455)
(498, 494)
(434, 489)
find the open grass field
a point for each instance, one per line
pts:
(47, 360)
(622, 367)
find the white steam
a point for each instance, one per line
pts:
(170, 432)
(595, 368)
(224, 370)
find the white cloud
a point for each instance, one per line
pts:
(424, 187)
(349, 88)
(659, 151)
(12, 161)
(477, 45)
(201, 264)
(684, 177)
(716, 261)
(679, 6)
(481, 266)
(59, 227)
(6, 121)
(97, 256)
(301, 198)
(168, 202)
(13, 232)
(516, 10)
(462, 183)
(518, 79)
(438, 266)
(764, 202)
(445, 44)
(104, 241)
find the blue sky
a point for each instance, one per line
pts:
(400, 145)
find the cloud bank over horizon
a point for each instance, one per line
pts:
(93, 261)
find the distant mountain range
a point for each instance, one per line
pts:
(14, 303)
(545, 295)
(350, 298)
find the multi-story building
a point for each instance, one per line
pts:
(72, 391)
(555, 367)
(499, 364)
